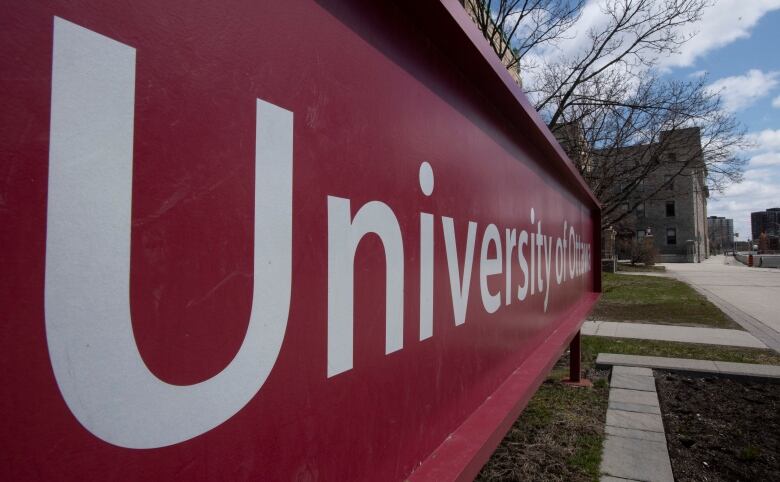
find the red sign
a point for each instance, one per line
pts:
(274, 241)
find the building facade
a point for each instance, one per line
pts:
(765, 222)
(671, 202)
(768, 223)
(721, 233)
(494, 35)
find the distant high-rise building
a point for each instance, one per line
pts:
(721, 233)
(765, 222)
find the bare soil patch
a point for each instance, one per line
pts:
(559, 436)
(720, 429)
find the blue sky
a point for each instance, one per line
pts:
(737, 47)
(759, 52)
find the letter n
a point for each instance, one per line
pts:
(344, 235)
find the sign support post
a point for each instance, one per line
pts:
(575, 363)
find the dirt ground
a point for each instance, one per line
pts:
(721, 429)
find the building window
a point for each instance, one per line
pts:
(626, 207)
(669, 182)
(669, 209)
(671, 235)
(640, 209)
(640, 235)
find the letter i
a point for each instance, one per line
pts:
(426, 257)
(533, 254)
(563, 254)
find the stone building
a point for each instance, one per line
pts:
(721, 234)
(572, 139)
(671, 201)
(499, 40)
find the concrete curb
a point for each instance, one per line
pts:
(605, 360)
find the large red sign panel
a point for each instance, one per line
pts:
(272, 241)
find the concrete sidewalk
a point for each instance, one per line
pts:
(686, 334)
(750, 296)
(635, 444)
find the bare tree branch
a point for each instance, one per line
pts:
(601, 95)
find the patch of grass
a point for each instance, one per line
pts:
(587, 455)
(593, 345)
(655, 299)
(558, 437)
(640, 268)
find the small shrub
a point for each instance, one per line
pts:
(639, 251)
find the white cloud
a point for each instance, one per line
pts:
(698, 73)
(776, 102)
(741, 91)
(766, 140)
(760, 189)
(568, 45)
(722, 23)
(765, 159)
(592, 17)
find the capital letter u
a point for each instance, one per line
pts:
(96, 361)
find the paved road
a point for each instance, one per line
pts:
(751, 296)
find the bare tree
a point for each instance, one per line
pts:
(658, 127)
(514, 27)
(600, 93)
(635, 33)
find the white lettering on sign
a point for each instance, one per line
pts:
(426, 257)
(344, 235)
(96, 362)
(459, 285)
(489, 267)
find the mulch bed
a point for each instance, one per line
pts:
(721, 429)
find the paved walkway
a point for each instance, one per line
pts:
(750, 296)
(688, 365)
(635, 445)
(686, 334)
